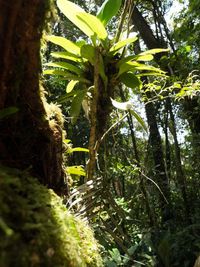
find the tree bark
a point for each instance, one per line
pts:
(26, 138)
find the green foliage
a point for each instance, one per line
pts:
(37, 230)
(75, 170)
(189, 88)
(121, 44)
(175, 248)
(108, 10)
(101, 55)
(186, 33)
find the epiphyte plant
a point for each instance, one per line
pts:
(96, 66)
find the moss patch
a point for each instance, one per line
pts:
(37, 230)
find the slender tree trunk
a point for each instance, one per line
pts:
(191, 106)
(158, 157)
(167, 143)
(154, 138)
(179, 168)
(26, 138)
(99, 112)
(144, 191)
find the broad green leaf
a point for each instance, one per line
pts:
(121, 105)
(150, 74)
(155, 51)
(77, 149)
(144, 56)
(140, 57)
(95, 25)
(120, 44)
(76, 78)
(139, 119)
(80, 43)
(71, 10)
(130, 80)
(108, 10)
(64, 43)
(76, 105)
(56, 72)
(76, 170)
(88, 52)
(67, 141)
(5, 112)
(127, 66)
(148, 67)
(70, 86)
(66, 55)
(65, 75)
(135, 58)
(66, 66)
(133, 66)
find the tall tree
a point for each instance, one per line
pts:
(27, 140)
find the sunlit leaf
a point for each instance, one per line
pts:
(80, 43)
(71, 11)
(77, 149)
(64, 43)
(147, 57)
(95, 25)
(65, 75)
(155, 51)
(70, 86)
(121, 44)
(56, 72)
(135, 58)
(67, 141)
(150, 74)
(5, 112)
(76, 170)
(66, 66)
(130, 80)
(76, 78)
(76, 105)
(66, 55)
(133, 66)
(108, 10)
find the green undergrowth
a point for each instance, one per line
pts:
(37, 230)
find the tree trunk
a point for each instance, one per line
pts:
(26, 138)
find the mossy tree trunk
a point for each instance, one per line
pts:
(100, 109)
(26, 138)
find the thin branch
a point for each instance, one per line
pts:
(113, 126)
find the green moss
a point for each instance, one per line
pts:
(37, 230)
